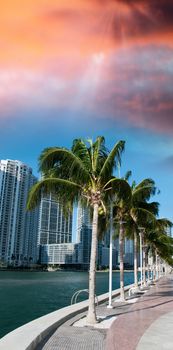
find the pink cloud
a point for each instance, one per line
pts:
(111, 58)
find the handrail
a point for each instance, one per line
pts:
(133, 289)
(76, 294)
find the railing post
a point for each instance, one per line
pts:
(110, 257)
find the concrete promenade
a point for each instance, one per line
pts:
(141, 323)
(146, 325)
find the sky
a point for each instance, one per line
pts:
(83, 68)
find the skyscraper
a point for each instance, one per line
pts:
(55, 233)
(18, 228)
(84, 232)
(54, 227)
(128, 252)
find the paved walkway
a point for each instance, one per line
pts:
(129, 331)
(159, 335)
(136, 325)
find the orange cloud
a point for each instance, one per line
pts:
(34, 31)
(69, 53)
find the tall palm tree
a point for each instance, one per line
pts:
(85, 174)
(142, 212)
(133, 212)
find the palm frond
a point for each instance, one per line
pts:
(142, 216)
(111, 161)
(153, 207)
(81, 151)
(99, 154)
(120, 189)
(147, 182)
(128, 175)
(133, 185)
(64, 190)
(63, 163)
(144, 190)
(165, 223)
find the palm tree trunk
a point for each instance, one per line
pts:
(91, 317)
(154, 272)
(121, 248)
(135, 260)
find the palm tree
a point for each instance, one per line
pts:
(85, 174)
(159, 242)
(141, 212)
(133, 211)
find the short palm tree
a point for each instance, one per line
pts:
(158, 241)
(85, 174)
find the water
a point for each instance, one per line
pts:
(25, 296)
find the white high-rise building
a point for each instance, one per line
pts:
(54, 227)
(169, 231)
(55, 232)
(18, 227)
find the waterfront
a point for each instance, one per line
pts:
(28, 295)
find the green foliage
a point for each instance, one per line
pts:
(157, 239)
(84, 173)
(128, 175)
(61, 188)
(144, 190)
(113, 159)
(132, 204)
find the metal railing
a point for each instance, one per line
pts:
(133, 290)
(77, 293)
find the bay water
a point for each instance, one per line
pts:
(25, 296)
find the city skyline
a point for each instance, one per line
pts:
(90, 68)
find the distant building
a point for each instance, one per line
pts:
(54, 226)
(61, 254)
(84, 234)
(55, 230)
(169, 231)
(18, 227)
(128, 252)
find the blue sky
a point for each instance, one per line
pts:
(147, 154)
(86, 68)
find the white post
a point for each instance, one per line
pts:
(152, 267)
(157, 272)
(141, 267)
(159, 266)
(144, 265)
(110, 257)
